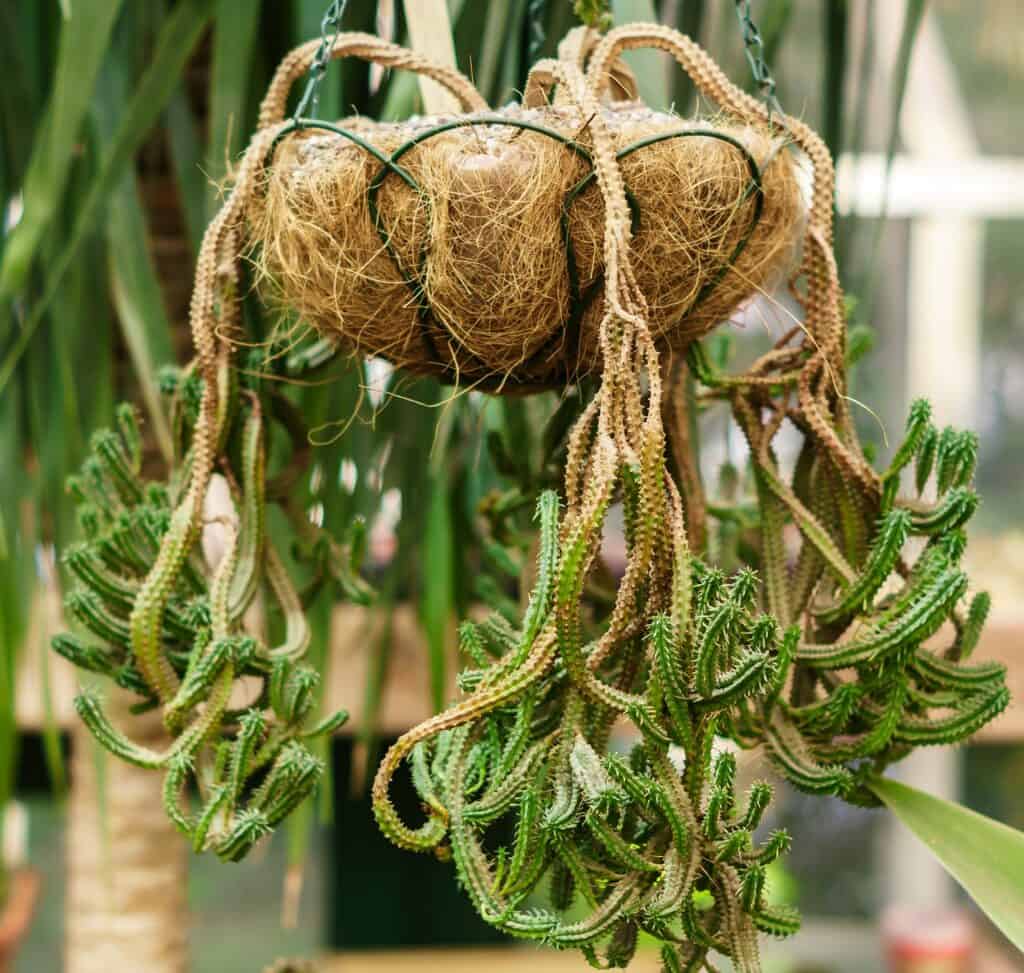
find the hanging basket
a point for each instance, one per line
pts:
(519, 249)
(471, 246)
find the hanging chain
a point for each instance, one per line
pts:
(331, 24)
(754, 44)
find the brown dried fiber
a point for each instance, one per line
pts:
(485, 238)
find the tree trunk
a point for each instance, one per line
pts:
(127, 869)
(126, 864)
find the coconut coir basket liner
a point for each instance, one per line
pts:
(471, 246)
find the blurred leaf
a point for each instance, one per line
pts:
(773, 22)
(690, 21)
(17, 581)
(650, 67)
(984, 856)
(373, 692)
(139, 303)
(912, 19)
(911, 25)
(179, 35)
(51, 731)
(438, 598)
(430, 34)
(848, 223)
(836, 20)
(17, 105)
(234, 39)
(862, 84)
(561, 19)
(61, 404)
(83, 43)
(186, 159)
(17, 571)
(497, 33)
(512, 73)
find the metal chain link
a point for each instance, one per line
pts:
(310, 97)
(754, 44)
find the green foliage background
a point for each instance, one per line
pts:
(108, 104)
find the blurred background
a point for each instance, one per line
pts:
(920, 101)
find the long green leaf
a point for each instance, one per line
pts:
(186, 159)
(16, 580)
(912, 19)
(179, 35)
(984, 856)
(908, 38)
(134, 286)
(234, 40)
(139, 303)
(495, 44)
(378, 674)
(836, 23)
(18, 105)
(52, 753)
(690, 19)
(83, 44)
(438, 600)
(859, 114)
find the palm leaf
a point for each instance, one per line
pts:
(17, 104)
(494, 47)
